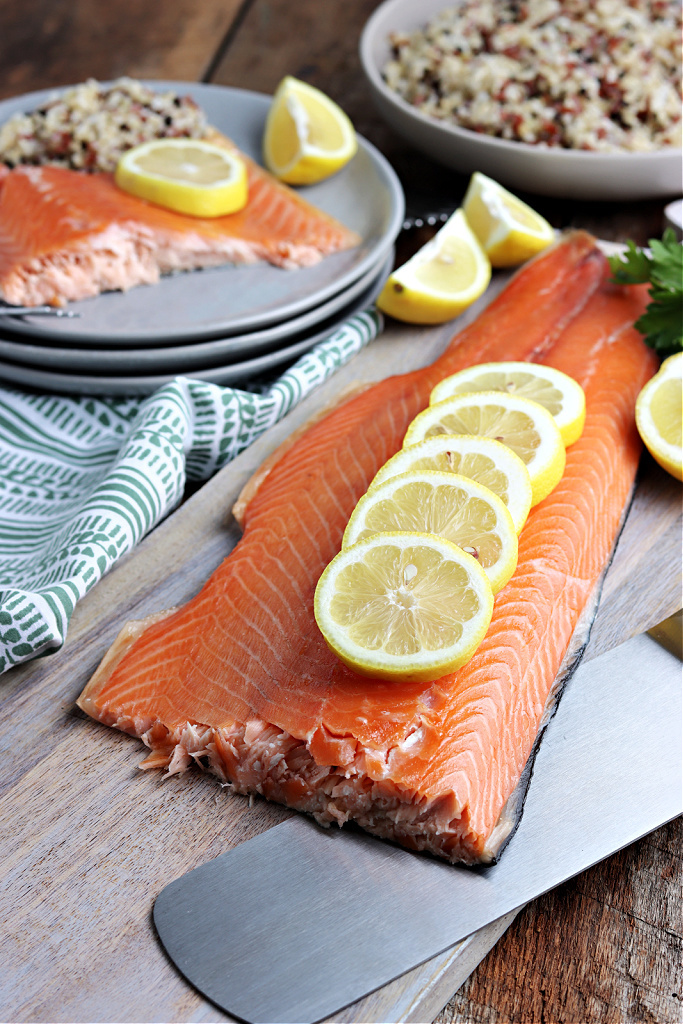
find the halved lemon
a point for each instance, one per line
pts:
(521, 424)
(659, 415)
(489, 462)
(187, 175)
(453, 507)
(442, 279)
(560, 394)
(308, 136)
(403, 606)
(510, 232)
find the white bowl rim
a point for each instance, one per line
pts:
(372, 71)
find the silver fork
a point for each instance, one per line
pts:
(36, 311)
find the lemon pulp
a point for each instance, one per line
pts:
(403, 606)
(190, 176)
(509, 230)
(482, 459)
(560, 394)
(659, 415)
(666, 412)
(521, 424)
(307, 136)
(442, 279)
(447, 505)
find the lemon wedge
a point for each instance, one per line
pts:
(442, 279)
(186, 175)
(489, 462)
(560, 394)
(510, 231)
(403, 606)
(307, 136)
(450, 506)
(521, 424)
(659, 415)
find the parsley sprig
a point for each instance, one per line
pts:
(662, 269)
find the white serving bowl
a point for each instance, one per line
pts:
(567, 173)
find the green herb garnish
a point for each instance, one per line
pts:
(662, 269)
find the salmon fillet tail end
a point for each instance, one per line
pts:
(240, 681)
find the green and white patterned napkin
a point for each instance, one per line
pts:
(82, 480)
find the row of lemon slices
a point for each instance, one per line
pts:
(434, 538)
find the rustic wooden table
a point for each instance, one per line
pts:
(605, 947)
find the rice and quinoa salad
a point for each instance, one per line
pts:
(88, 127)
(577, 74)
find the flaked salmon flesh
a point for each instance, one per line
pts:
(65, 235)
(240, 678)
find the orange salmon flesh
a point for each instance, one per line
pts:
(66, 235)
(241, 678)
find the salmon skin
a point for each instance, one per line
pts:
(65, 235)
(241, 679)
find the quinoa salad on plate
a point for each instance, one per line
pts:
(89, 126)
(575, 74)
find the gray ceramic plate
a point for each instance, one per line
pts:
(570, 174)
(83, 384)
(365, 196)
(185, 358)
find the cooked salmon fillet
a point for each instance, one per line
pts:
(241, 679)
(65, 235)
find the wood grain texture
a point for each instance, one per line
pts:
(49, 43)
(605, 947)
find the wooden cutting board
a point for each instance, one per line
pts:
(87, 840)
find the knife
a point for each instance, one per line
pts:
(301, 921)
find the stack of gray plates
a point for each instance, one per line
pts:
(224, 325)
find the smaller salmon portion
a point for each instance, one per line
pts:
(65, 235)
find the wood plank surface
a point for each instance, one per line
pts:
(604, 947)
(45, 44)
(86, 840)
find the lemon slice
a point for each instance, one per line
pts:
(307, 136)
(489, 462)
(510, 231)
(187, 175)
(659, 415)
(442, 279)
(403, 606)
(561, 395)
(521, 424)
(450, 506)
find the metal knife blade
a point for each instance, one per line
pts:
(300, 921)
